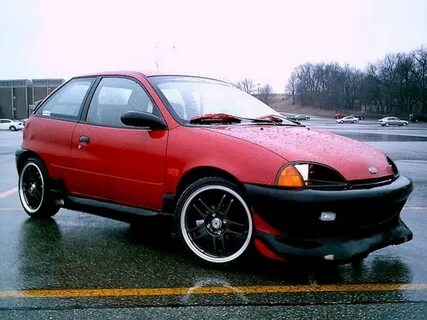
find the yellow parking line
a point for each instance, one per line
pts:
(82, 293)
(8, 192)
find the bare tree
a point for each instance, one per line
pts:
(421, 66)
(265, 94)
(291, 86)
(397, 84)
(246, 85)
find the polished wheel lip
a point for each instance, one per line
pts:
(21, 191)
(190, 243)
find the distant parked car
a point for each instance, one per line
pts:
(358, 116)
(348, 119)
(392, 121)
(339, 115)
(12, 125)
(298, 117)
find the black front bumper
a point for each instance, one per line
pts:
(367, 219)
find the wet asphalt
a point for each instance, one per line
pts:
(81, 251)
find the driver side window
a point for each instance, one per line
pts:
(115, 96)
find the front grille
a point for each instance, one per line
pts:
(371, 183)
(355, 184)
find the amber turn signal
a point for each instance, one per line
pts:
(290, 177)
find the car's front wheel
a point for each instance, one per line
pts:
(214, 221)
(387, 124)
(33, 193)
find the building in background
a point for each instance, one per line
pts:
(17, 96)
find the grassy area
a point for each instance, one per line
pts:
(283, 103)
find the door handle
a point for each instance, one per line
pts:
(84, 139)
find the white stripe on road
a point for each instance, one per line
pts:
(8, 192)
(415, 208)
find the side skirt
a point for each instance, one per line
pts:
(103, 208)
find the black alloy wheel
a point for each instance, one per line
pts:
(214, 221)
(33, 193)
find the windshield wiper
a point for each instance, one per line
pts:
(269, 118)
(227, 118)
(215, 118)
(275, 119)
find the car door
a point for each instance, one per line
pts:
(49, 131)
(113, 161)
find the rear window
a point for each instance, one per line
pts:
(67, 102)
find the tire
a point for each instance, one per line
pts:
(214, 221)
(35, 198)
(405, 124)
(12, 128)
(387, 124)
(341, 122)
(354, 121)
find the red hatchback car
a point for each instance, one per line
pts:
(232, 172)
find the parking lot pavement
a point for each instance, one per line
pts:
(82, 266)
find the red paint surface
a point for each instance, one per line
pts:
(349, 157)
(267, 252)
(263, 226)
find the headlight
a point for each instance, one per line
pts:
(298, 175)
(290, 177)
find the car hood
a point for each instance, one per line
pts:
(349, 157)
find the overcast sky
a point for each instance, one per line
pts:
(262, 40)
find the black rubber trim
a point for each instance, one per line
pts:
(169, 202)
(398, 190)
(110, 210)
(343, 249)
(18, 155)
(99, 207)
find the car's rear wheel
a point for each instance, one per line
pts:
(214, 221)
(12, 128)
(33, 193)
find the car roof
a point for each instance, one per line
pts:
(147, 74)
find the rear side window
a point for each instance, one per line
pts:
(115, 96)
(67, 102)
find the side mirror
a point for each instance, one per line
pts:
(143, 119)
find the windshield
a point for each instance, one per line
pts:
(192, 97)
